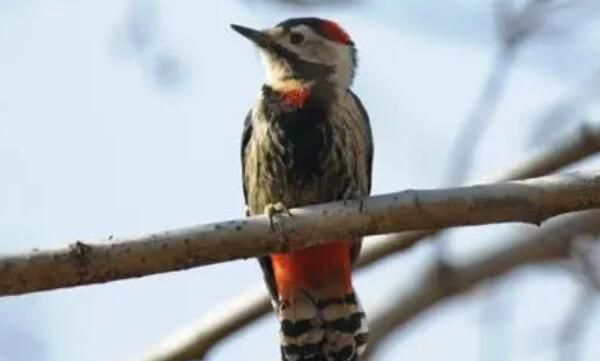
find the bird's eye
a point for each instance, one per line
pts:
(296, 38)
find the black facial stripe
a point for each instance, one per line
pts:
(302, 68)
(315, 70)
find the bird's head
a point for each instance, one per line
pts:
(305, 51)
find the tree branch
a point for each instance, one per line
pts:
(567, 151)
(530, 201)
(550, 243)
(181, 345)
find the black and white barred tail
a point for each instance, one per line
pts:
(333, 329)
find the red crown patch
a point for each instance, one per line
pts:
(335, 32)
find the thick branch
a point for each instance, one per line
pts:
(568, 151)
(530, 201)
(550, 243)
(181, 345)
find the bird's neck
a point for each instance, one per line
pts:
(293, 92)
(296, 92)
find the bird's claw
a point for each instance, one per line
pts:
(358, 197)
(276, 209)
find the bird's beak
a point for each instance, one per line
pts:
(259, 38)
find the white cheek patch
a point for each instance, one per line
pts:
(274, 70)
(277, 74)
(317, 49)
(314, 49)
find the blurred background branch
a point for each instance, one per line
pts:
(140, 37)
(515, 23)
(551, 243)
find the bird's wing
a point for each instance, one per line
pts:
(369, 137)
(264, 261)
(246, 135)
(355, 251)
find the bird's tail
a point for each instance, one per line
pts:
(333, 329)
(321, 318)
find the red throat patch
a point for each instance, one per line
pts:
(295, 97)
(334, 32)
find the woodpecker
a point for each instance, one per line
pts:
(308, 140)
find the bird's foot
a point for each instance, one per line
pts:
(358, 197)
(276, 210)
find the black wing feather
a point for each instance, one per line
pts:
(370, 147)
(246, 135)
(264, 261)
(355, 251)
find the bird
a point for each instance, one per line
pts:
(308, 140)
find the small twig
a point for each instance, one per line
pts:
(568, 150)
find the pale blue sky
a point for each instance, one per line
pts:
(90, 145)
